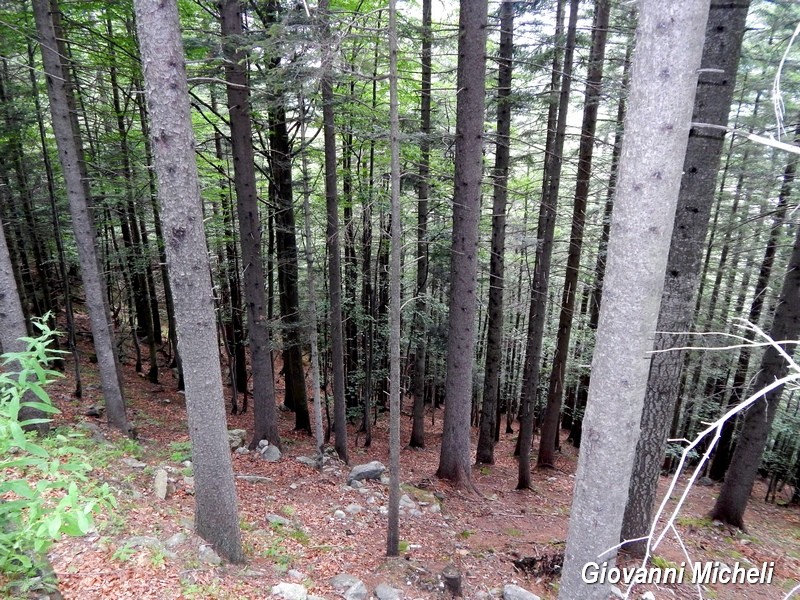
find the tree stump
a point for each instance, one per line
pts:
(452, 581)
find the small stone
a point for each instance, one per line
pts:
(384, 591)
(290, 591)
(295, 574)
(371, 470)
(357, 591)
(254, 478)
(406, 502)
(353, 509)
(209, 556)
(414, 513)
(278, 520)
(176, 540)
(385, 480)
(161, 484)
(187, 464)
(94, 411)
(435, 508)
(133, 463)
(293, 486)
(188, 482)
(647, 596)
(308, 461)
(363, 491)
(270, 453)
(514, 592)
(356, 484)
(617, 593)
(242, 450)
(339, 514)
(343, 581)
(263, 444)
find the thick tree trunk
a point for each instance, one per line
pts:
(70, 151)
(265, 413)
(455, 458)
(494, 341)
(715, 87)
(166, 90)
(669, 44)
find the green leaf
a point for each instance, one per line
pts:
(54, 527)
(20, 487)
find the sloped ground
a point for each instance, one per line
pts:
(480, 534)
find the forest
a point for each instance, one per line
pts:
(405, 299)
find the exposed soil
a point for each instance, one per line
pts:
(481, 534)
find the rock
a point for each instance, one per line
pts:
(308, 461)
(385, 480)
(161, 484)
(343, 581)
(356, 484)
(414, 513)
(353, 509)
(94, 411)
(295, 574)
(647, 596)
(254, 478)
(383, 591)
(278, 520)
(270, 453)
(263, 444)
(95, 431)
(236, 438)
(705, 481)
(372, 470)
(290, 591)
(406, 502)
(617, 593)
(514, 592)
(242, 450)
(435, 508)
(133, 463)
(176, 540)
(339, 514)
(138, 541)
(358, 591)
(209, 556)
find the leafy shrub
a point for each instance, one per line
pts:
(40, 497)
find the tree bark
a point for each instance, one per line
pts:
(712, 104)
(455, 457)
(669, 43)
(167, 94)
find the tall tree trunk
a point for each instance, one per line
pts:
(70, 151)
(265, 415)
(332, 231)
(666, 59)
(166, 90)
(549, 439)
(494, 341)
(455, 458)
(732, 500)
(423, 190)
(712, 104)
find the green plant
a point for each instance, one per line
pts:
(180, 451)
(403, 546)
(466, 534)
(485, 470)
(41, 497)
(124, 553)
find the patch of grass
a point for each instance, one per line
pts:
(157, 557)
(696, 522)
(300, 536)
(124, 553)
(466, 534)
(512, 532)
(180, 451)
(485, 470)
(288, 510)
(662, 563)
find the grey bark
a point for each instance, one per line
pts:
(455, 457)
(669, 43)
(715, 87)
(73, 167)
(166, 91)
(265, 413)
(494, 339)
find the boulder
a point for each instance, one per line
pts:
(209, 556)
(383, 591)
(357, 591)
(290, 591)
(270, 453)
(161, 484)
(343, 581)
(514, 592)
(236, 438)
(372, 470)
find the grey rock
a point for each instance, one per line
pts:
(270, 453)
(647, 596)
(617, 593)
(133, 463)
(353, 509)
(176, 540)
(406, 502)
(358, 591)
(263, 444)
(295, 574)
(278, 520)
(514, 592)
(384, 591)
(308, 461)
(339, 514)
(236, 438)
(385, 480)
(242, 450)
(188, 481)
(415, 513)
(372, 470)
(254, 478)
(312, 597)
(290, 591)
(435, 508)
(356, 484)
(139, 541)
(208, 555)
(343, 581)
(161, 484)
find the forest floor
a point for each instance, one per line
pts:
(480, 533)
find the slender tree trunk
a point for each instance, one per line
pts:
(494, 341)
(712, 104)
(666, 59)
(166, 90)
(265, 415)
(334, 258)
(455, 458)
(592, 97)
(70, 152)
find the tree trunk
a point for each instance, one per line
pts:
(732, 500)
(494, 340)
(216, 517)
(712, 104)
(70, 151)
(332, 231)
(669, 43)
(455, 458)
(265, 415)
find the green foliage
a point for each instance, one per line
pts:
(180, 451)
(42, 500)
